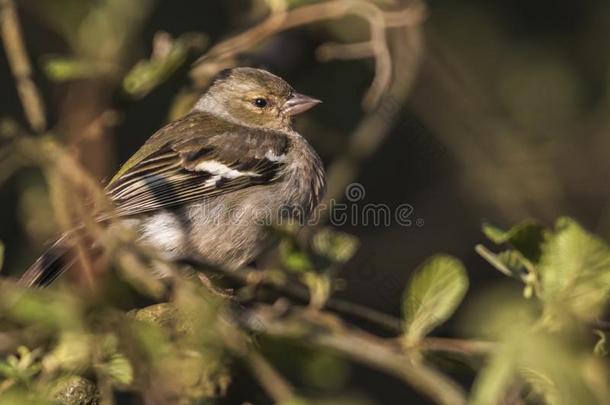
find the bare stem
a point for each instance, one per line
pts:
(18, 59)
(282, 20)
(330, 333)
(493, 260)
(462, 346)
(272, 382)
(296, 290)
(253, 277)
(373, 129)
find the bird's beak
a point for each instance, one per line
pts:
(299, 103)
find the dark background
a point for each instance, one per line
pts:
(508, 119)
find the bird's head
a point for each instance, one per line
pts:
(254, 97)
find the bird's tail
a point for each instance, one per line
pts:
(50, 265)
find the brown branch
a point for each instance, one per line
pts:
(373, 129)
(10, 30)
(461, 346)
(492, 259)
(385, 355)
(295, 290)
(332, 50)
(270, 380)
(279, 21)
(248, 276)
(75, 196)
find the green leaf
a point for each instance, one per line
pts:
(514, 261)
(119, 369)
(320, 288)
(49, 309)
(338, 247)
(22, 366)
(555, 369)
(541, 385)
(61, 69)
(435, 291)
(148, 74)
(513, 264)
(72, 352)
(293, 258)
(510, 262)
(601, 347)
(526, 237)
(575, 271)
(495, 377)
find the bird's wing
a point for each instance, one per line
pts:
(199, 168)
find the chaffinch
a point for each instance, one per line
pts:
(203, 187)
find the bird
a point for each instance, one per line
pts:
(203, 187)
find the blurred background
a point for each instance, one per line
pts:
(507, 118)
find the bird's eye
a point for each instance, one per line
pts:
(260, 102)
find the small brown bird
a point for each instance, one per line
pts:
(203, 187)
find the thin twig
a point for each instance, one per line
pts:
(369, 135)
(255, 277)
(378, 21)
(10, 30)
(372, 316)
(450, 345)
(270, 380)
(331, 50)
(492, 259)
(317, 329)
(298, 291)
